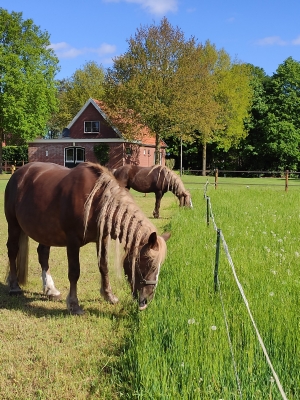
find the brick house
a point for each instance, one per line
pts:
(90, 128)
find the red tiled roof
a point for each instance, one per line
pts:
(145, 136)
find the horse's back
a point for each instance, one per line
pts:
(47, 200)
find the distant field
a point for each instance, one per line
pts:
(178, 348)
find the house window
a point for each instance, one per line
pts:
(70, 155)
(79, 155)
(128, 151)
(91, 126)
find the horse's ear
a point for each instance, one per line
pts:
(152, 241)
(166, 236)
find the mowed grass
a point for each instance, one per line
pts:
(44, 352)
(178, 348)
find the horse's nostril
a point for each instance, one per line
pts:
(142, 304)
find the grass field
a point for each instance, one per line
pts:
(178, 348)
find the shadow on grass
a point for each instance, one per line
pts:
(38, 305)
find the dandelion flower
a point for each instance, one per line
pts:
(213, 328)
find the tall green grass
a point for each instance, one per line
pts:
(179, 348)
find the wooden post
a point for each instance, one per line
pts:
(217, 259)
(216, 178)
(286, 180)
(207, 211)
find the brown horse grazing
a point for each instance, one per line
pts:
(155, 179)
(57, 206)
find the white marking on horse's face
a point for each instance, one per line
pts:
(191, 203)
(157, 275)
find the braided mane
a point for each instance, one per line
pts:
(118, 216)
(175, 184)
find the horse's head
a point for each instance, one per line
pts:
(147, 267)
(185, 200)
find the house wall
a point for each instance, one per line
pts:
(91, 114)
(54, 153)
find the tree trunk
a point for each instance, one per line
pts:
(157, 148)
(1, 143)
(204, 159)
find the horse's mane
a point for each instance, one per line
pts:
(175, 184)
(118, 215)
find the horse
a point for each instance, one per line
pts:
(158, 179)
(57, 206)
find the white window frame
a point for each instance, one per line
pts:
(91, 129)
(77, 160)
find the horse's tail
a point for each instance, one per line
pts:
(22, 258)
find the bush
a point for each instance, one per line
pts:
(170, 163)
(15, 153)
(102, 153)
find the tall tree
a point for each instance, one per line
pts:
(180, 87)
(283, 119)
(27, 87)
(144, 80)
(273, 142)
(85, 83)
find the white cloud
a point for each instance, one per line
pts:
(277, 41)
(231, 19)
(296, 42)
(157, 7)
(64, 50)
(271, 41)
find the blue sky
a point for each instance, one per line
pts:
(260, 32)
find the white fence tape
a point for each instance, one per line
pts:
(246, 303)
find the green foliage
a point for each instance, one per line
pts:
(85, 83)
(102, 153)
(27, 87)
(27, 67)
(170, 163)
(15, 153)
(145, 78)
(274, 128)
(180, 87)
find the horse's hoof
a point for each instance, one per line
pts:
(109, 297)
(75, 309)
(54, 297)
(52, 293)
(15, 290)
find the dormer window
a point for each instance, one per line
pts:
(91, 126)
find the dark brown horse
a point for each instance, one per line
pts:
(155, 179)
(57, 206)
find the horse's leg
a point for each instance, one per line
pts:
(12, 244)
(158, 196)
(73, 275)
(105, 289)
(49, 288)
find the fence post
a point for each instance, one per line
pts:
(286, 180)
(216, 178)
(207, 211)
(217, 259)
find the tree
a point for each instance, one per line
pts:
(85, 83)
(145, 79)
(273, 142)
(180, 87)
(27, 87)
(283, 119)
